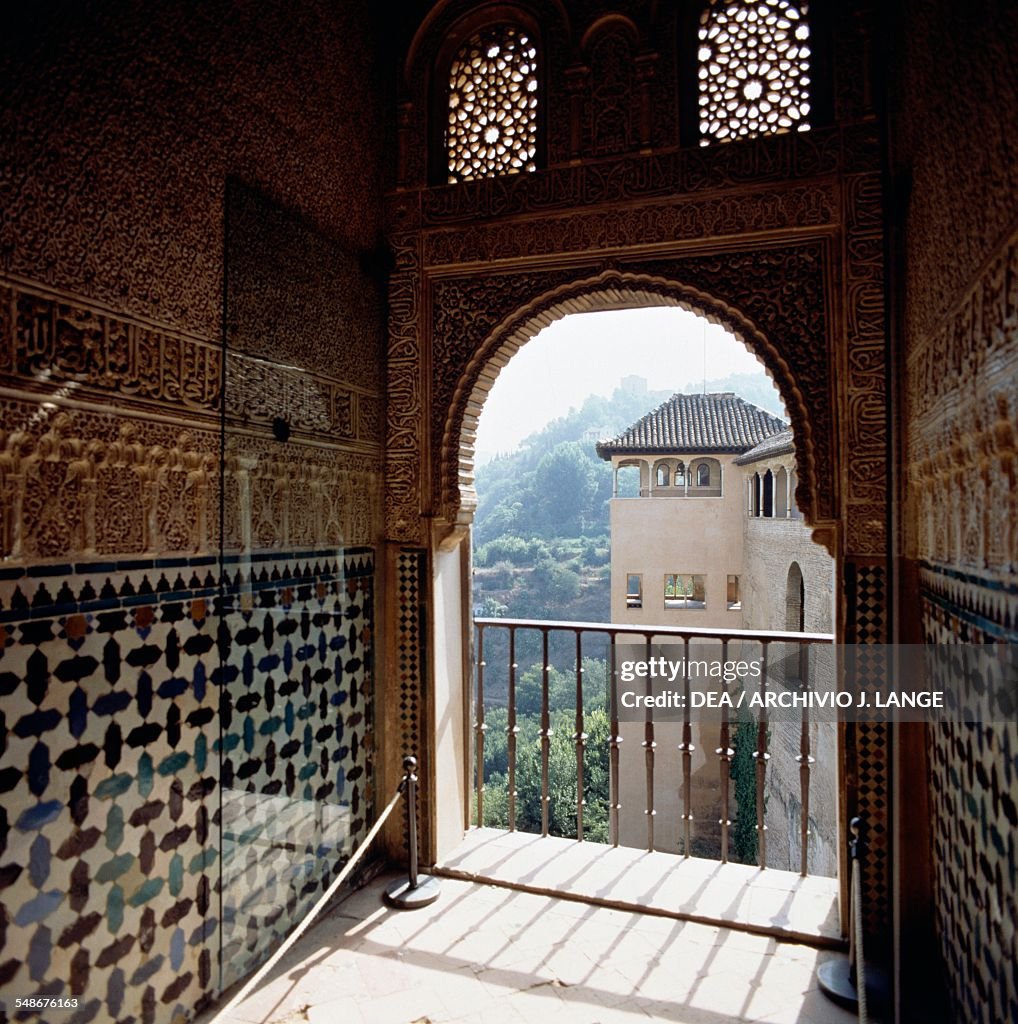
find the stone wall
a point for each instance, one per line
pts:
(954, 127)
(190, 205)
(771, 548)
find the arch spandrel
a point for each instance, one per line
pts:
(471, 360)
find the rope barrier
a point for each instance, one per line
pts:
(843, 980)
(260, 974)
(859, 966)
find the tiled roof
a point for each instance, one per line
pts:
(777, 444)
(695, 423)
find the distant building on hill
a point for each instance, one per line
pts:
(633, 385)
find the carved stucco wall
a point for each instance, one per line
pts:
(169, 172)
(781, 238)
(954, 135)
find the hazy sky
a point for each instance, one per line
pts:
(589, 354)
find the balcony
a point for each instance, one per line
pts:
(679, 492)
(490, 955)
(664, 817)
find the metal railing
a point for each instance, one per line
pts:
(515, 630)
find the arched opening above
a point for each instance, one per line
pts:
(632, 479)
(611, 290)
(767, 508)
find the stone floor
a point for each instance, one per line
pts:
(773, 902)
(488, 955)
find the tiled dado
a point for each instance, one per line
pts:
(297, 749)
(145, 837)
(965, 607)
(974, 771)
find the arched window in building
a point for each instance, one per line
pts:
(757, 491)
(768, 495)
(661, 476)
(703, 475)
(793, 507)
(795, 600)
(754, 69)
(781, 494)
(492, 110)
(629, 479)
(768, 505)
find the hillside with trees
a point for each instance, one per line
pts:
(541, 545)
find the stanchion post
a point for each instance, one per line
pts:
(856, 849)
(845, 979)
(416, 890)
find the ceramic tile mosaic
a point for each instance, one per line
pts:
(114, 762)
(973, 778)
(297, 745)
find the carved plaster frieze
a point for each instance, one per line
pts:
(780, 158)
(52, 343)
(962, 435)
(807, 206)
(81, 484)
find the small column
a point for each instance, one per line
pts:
(788, 494)
(644, 75)
(404, 122)
(760, 495)
(577, 81)
(721, 470)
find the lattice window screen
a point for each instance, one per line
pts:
(492, 125)
(753, 69)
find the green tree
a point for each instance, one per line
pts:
(561, 775)
(554, 584)
(564, 485)
(743, 774)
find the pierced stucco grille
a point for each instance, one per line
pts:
(753, 70)
(492, 126)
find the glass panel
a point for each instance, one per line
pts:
(297, 561)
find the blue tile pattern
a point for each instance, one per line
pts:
(973, 778)
(124, 776)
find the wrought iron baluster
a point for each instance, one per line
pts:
(648, 747)
(579, 736)
(686, 748)
(725, 754)
(479, 727)
(762, 757)
(616, 739)
(546, 733)
(804, 759)
(511, 729)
